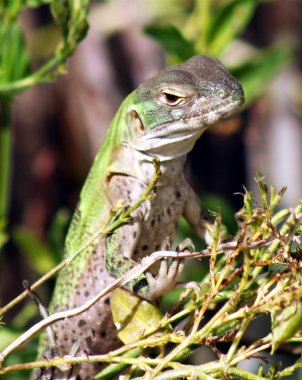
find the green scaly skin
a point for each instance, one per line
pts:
(162, 118)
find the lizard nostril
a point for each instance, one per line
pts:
(239, 95)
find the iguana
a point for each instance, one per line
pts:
(162, 118)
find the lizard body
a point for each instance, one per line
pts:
(162, 118)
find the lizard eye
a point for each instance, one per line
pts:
(170, 98)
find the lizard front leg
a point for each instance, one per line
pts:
(140, 237)
(195, 215)
(119, 246)
(198, 218)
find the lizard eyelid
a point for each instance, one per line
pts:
(170, 97)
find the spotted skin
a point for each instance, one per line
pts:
(163, 118)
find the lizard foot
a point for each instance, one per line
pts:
(167, 275)
(166, 278)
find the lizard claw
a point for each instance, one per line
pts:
(186, 245)
(166, 278)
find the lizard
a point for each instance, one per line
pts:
(162, 118)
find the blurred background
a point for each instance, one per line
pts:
(50, 132)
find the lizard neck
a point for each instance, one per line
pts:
(172, 169)
(139, 164)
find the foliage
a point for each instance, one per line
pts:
(259, 273)
(212, 28)
(243, 283)
(71, 20)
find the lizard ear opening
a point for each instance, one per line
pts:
(135, 121)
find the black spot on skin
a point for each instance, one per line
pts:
(87, 294)
(152, 223)
(81, 323)
(65, 338)
(103, 334)
(107, 301)
(178, 194)
(157, 247)
(140, 284)
(119, 263)
(135, 252)
(169, 212)
(101, 270)
(134, 234)
(145, 247)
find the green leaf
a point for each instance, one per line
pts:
(227, 328)
(228, 21)
(13, 55)
(218, 203)
(36, 3)
(39, 255)
(263, 189)
(132, 315)
(61, 11)
(255, 73)
(171, 40)
(57, 232)
(285, 323)
(3, 234)
(7, 336)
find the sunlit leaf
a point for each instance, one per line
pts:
(37, 3)
(171, 40)
(13, 55)
(228, 20)
(132, 315)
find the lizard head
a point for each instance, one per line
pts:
(170, 111)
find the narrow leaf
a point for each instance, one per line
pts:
(171, 40)
(228, 21)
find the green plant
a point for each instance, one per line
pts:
(71, 20)
(258, 273)
(212, 28)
